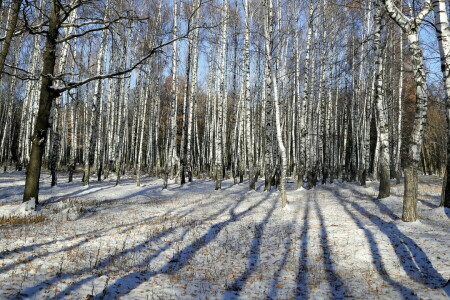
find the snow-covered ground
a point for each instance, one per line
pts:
(104, 241)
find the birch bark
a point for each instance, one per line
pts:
(410, 26)
(443, 35)
(268, 35)
(171, 156)
(221, 106)
(192, 96)
(248, 103)
(380, 100)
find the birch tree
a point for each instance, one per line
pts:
(382, 117)
(410, 25)
(268, 36)
(303, 119)
(247, 96)
(221, 105)
(443, 36)
(172, 157)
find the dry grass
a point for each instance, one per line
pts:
(21, 220)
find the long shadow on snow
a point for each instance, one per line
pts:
(90, 190)
(375, 251)
(126, 284)
(338, 288)
(98, 234)
(137, 275)
(273, 291)
(129, 226)
(235, 288)
(31, 291)
(409, 253)
(302, 274)
(417, 265)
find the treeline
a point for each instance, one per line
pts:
(316, 90)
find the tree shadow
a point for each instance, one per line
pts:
(234, 289)
(129, 282)
(338, 289)
(375, 251)
(302, 274)
(97, 234)
(273, 291)
(413, 259)
(182, 256)
(83, 192)
(31, 291)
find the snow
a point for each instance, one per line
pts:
(23, 209)
(336, 241)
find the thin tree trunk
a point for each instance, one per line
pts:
(13, 16)
(443, 35)
(249, 137)
(268, 34)
(221, 106)
(171, 156)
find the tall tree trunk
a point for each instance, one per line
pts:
(55, 133)
(268, 34)
(248, 130)
(47, 96)
(380, 100)
(411, 26)
(398, 165)
(303, 118)
(145, 94)
(171, 156)
(192, 98)
(221, 106)
(443, 35)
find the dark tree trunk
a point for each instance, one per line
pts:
(46, 98)
(71, 170)
(410, 196)
(363, 177)
(100, 171)
(54, 158)
(445, 198)
(385, 184)
(9, 33)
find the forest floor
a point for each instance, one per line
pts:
(191, 242)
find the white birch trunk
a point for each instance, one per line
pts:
(268, 35)
(192, 98)
(384, 190)
(443, 35)
(171, 157)
(248, 99)
(411, 26)
(221, 105)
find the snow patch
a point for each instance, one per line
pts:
(440, 213)
(22, 210)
